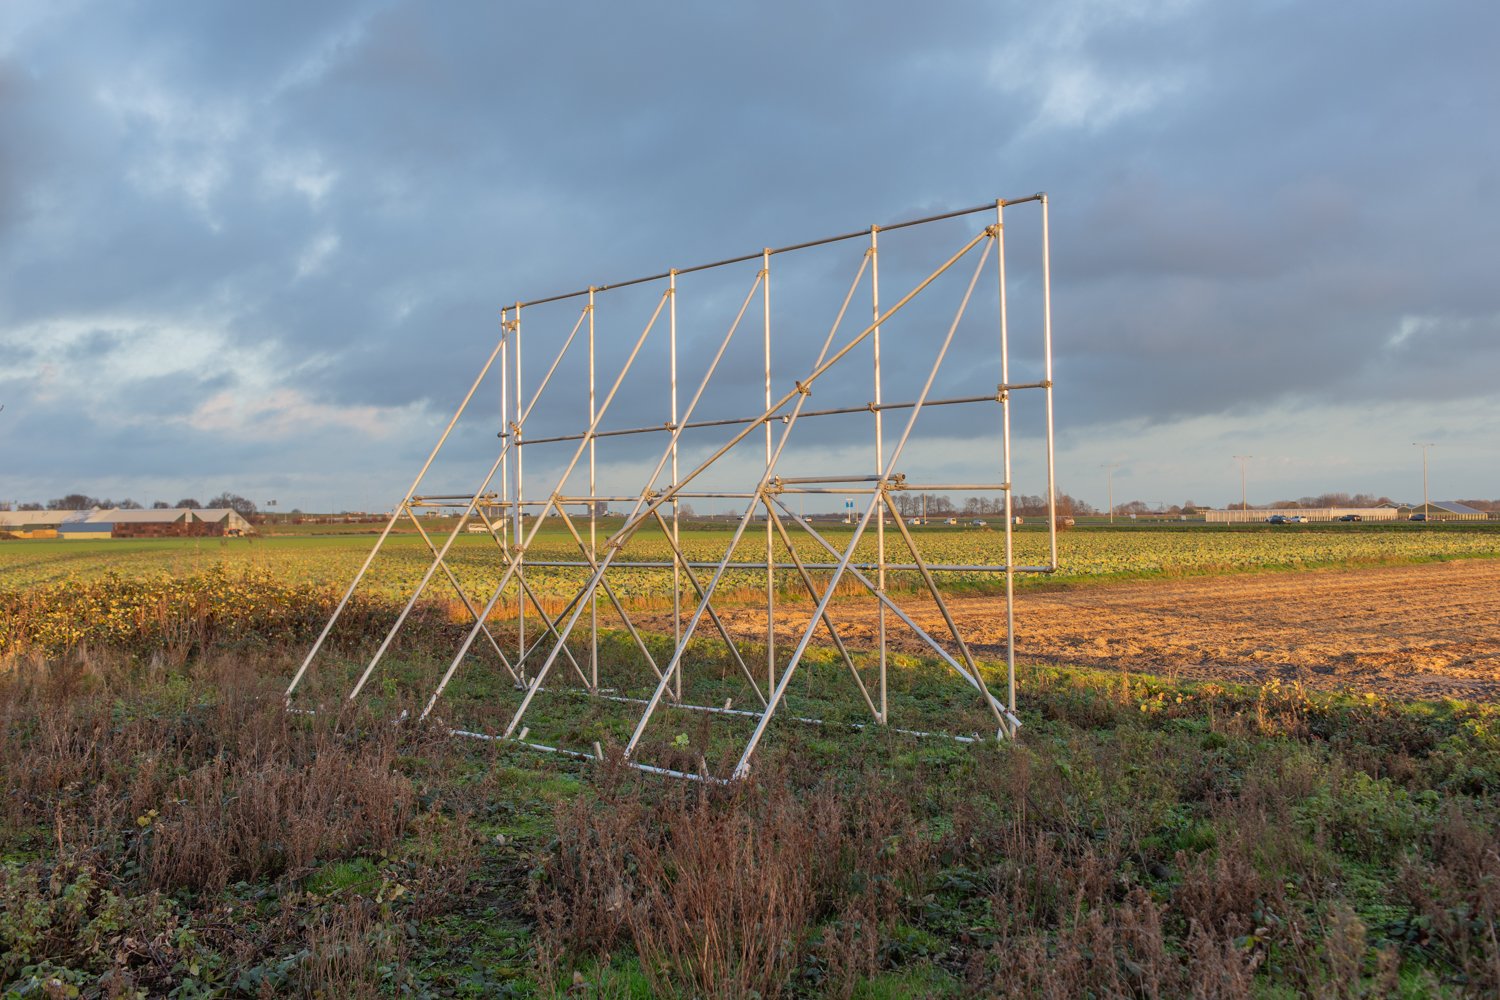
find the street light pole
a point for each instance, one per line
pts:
(1424, 445)
(1109, 486)
(1244, 503)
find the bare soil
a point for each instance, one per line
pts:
(1419, 632)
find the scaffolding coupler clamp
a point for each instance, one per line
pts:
(802, 388)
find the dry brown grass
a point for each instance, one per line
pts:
(719, 890)
(151, 787)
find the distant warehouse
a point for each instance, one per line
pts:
(33, 523)
(1311, 513)
(1436, 510)
(1448, 510)
(83, 525)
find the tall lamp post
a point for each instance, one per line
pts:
(1424, 445)
(1109, 486)
(1244, 503)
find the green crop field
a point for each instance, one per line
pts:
(1091, 554)
(57, 593)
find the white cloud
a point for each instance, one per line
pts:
(1051, 64)
(185, 147)
(305, 174)
(315, 255)
(284, 413)
(109, 356)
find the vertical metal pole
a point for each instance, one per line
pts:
(1424, 445)
(1244, 497)
(519, 670)
(505, 428)
(520, 548)
(765, 297)
(1047, 379)
(1010, 551)
(884, 714)
(676, 533)
(593, 517)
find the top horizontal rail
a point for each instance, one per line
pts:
(987, 207)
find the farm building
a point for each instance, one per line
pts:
(1311, 513)
(177, 522)
(220, 521)
(1447, 510)
(142, 523)
(34, 523)
(81, 528)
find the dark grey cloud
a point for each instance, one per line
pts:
(255, 233)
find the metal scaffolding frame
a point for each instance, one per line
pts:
(513, 520)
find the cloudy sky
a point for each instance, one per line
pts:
(263, 247)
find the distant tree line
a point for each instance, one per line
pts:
(1024, 504)
(82, 501)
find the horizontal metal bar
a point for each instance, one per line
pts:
(903, 487)
(464, 497)
(953, 488)
(580, 755)
(469, 734)
(828, 479)
(760, 254)
(665, 564)
(741, 421)
(809, 720)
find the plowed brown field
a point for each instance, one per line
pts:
(1426, 631)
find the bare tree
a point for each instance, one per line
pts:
(73, 501)
(244, 508)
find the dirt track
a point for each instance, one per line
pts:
(1425, 631)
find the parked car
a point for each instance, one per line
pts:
(1350, 517)
(1297, 519)
(978, 523)
(1417, 517)
(1277, 519)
